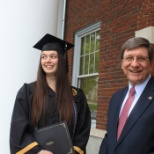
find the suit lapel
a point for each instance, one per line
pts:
(144, 101)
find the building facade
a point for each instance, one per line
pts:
(107, 24)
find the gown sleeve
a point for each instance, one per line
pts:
(21, 139)
(82, 131)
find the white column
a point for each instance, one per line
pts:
(146, 33)
(23, 23)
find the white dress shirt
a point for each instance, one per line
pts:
(139, 89)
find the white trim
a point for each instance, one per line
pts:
(61, 11)
(97, 133)
(147, 33)
(88, 75)
(76, 59)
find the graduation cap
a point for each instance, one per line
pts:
(50, 42)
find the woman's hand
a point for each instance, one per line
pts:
(44, 152)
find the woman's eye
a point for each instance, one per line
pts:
(53, 57)
(43, 57)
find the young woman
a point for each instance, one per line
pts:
(48, 100)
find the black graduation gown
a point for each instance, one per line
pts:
(21, 130)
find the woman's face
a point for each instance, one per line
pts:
(49, 62)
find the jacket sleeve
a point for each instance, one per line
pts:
(21, 139)
(103, 146)
(83, 126)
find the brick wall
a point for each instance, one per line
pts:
(119, 21)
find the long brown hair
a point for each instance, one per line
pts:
(63, 96)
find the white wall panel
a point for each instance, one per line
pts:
(23, 23)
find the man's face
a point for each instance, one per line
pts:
(136, 65)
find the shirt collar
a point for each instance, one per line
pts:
(140, 87)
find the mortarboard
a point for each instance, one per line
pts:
(50, 42)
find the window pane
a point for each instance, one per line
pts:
(96, 62)
(86, 69)
(89, 86)
(81, 65)
(87, 45)
(92, 42)
(83, 45)
(91, 69)
(97, 40)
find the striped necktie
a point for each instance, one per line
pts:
(125, 110)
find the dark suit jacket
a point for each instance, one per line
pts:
(138, 133)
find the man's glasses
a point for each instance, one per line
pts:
(140, 59)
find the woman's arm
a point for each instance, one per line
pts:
(21, 138)
(83, 127)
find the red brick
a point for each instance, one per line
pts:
(119, 21)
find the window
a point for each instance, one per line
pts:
(85, 67)
(89, 53)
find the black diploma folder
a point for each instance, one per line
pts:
(55, 138)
